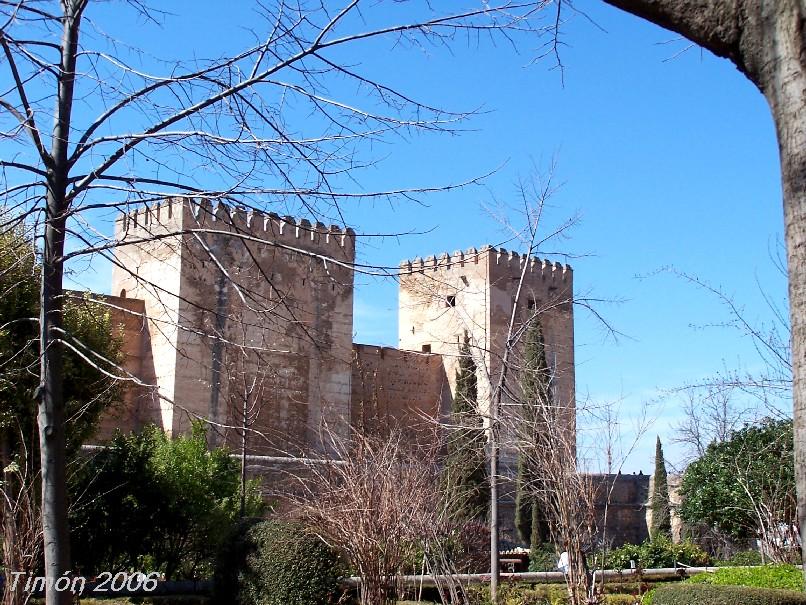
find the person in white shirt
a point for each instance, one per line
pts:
(562, 564)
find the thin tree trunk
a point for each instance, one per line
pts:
(51, 417)
(51, 409)
(495, 565)
(244, 426)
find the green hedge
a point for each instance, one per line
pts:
(787, 577)
(275, 563)
(744, 557)
(550, 594)
(709, 594)
(658, 552)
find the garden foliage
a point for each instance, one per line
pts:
(151, 503)
(530, 521)
(467, 489)
(787, 577)
(661, 511)
(276, 563)
(708, 594)
(735, 480)
(657, 552)
(87, 390)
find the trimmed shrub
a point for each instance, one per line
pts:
(744, 557)
(658, 552)
(275, 563)
(708, 594)
(520, 594)
(544, 594)
(787, 577)
(619, 599)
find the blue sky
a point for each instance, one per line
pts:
(666, 153)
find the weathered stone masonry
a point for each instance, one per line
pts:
(223, 307)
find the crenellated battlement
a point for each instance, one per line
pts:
(189, 214)
(163, 212)
(500, 258)
(445, 261)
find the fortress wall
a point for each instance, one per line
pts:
(228, 289)
(139, 405)
(264, 291)
(483, 284)
(275, 393)
(546, 293)
(148, 267)
(394, 388)
(626, 509)
(429, 319)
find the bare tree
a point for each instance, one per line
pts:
(160, 128)
(379, 502)
(522, 287)
(716, 406)
(247, 373)
(769, 383)
(709, 416)
(566, 496)
(22, 526)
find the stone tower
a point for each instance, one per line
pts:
(470, 296)
(250, 316)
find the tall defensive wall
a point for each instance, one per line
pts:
(470, 295)
(250, 316)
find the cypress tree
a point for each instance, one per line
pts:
(536, 388)
(523, 504)
(661, 514)
(467, 489)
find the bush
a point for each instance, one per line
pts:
(619, 599)
(152, 503)
(543, 558)
(275, 563)
(707, 594)
(547, 594)
(787, 577)
(658, 552)
(741, 558)
(519, 594)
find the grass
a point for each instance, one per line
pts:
(787, 577)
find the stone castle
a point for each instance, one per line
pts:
(245, 320)
(226, 310)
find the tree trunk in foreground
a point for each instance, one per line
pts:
(51, 417)
(767, 42)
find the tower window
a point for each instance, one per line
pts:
(530, 304)
(450, 301)
(426, 348)
(123, 293)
